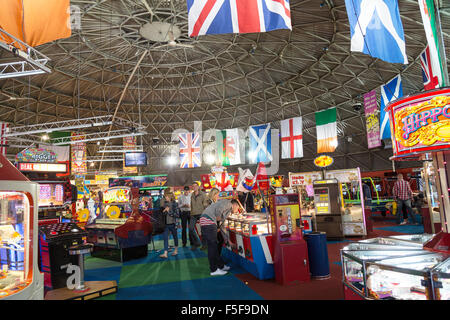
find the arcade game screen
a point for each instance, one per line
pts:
(14, 211)
(51, 195)
(116, 195)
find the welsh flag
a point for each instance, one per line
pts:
(431, 26)
(326, 130)
(228, 153)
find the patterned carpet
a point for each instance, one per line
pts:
(187, 277)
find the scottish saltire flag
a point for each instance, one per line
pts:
(260, 143)
(237, 16)
(391, 91)
(376, 29)
(190, 150)
(430, 79)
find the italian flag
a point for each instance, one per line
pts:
(326, 130)
(431, 26)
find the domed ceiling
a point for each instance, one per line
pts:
(225, 81)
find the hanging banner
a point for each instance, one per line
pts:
(343, 176)
(129, 143)
(372, 121)
(78, 154)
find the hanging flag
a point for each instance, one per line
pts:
(3, 141)
(260, 143)
(391, 91)
(35, 22)
(376, 29)
(228, 152)
(326, 130)
(78, 154)
(190, 156)
(372, 121)
(291, 138)
(129, 143)
(62, 152)
(430, 80)
(237, 16)
(431, 26)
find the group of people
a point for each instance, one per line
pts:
(209, 212)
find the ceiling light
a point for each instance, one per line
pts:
(171, 161)
(210, 159)
(45, 137)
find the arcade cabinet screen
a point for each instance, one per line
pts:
(51, 195)
(135, 159)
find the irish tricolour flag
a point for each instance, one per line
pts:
(326, 130)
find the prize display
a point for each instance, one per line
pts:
(395, 267)
(51, 194)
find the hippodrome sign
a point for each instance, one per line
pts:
(421, 122)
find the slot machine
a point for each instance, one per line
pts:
(328, 203)
(290, 249)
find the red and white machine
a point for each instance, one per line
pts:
(20, 277)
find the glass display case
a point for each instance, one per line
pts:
(415, 238)
(14, 243)
(354, 263)
(431, 192)
(441, 280)
(405, 278)
(393, 242)
(248, 224)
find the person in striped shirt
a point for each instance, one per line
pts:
(217, 211)
(403, 194)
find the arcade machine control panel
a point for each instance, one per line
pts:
(54, 242)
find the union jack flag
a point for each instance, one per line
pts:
(190, 156)
(430, 80)
(237, 16)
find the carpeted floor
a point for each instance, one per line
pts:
(186, 276)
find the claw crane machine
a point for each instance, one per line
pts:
(20, 278)
(420, 126)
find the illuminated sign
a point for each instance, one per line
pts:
(117, 195)
(304, 178)
(36, 155)
(323, 161)
(420, 123)
(43, 167)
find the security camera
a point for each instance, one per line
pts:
(357, 107)
(155, 140)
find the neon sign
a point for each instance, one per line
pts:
(420, 123)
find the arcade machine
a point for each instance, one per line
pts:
(20, 278)
(40, 165)
(290, 249)
(116, 237)
(328, 208)
(354, 219)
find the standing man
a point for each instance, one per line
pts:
(216, 212)
(199, 201)
(184, 203)
(403, 194)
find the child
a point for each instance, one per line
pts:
(169, 208)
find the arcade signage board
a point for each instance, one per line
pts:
(36, 155)
(420, 123)
(42, 167)
(304, 178)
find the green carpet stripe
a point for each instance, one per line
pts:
(97, 263)
(164, 272)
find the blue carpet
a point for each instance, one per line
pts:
(103, 274)
(214, 288)
(406, 229)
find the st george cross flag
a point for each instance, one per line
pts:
(3, 140)
(432, 29)
(190, 150)
(326, 130)
(237, 16)
(291, 138)
(430, 80)
(228, 149)
(376, 29)
(391, 91)
(260, 143)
